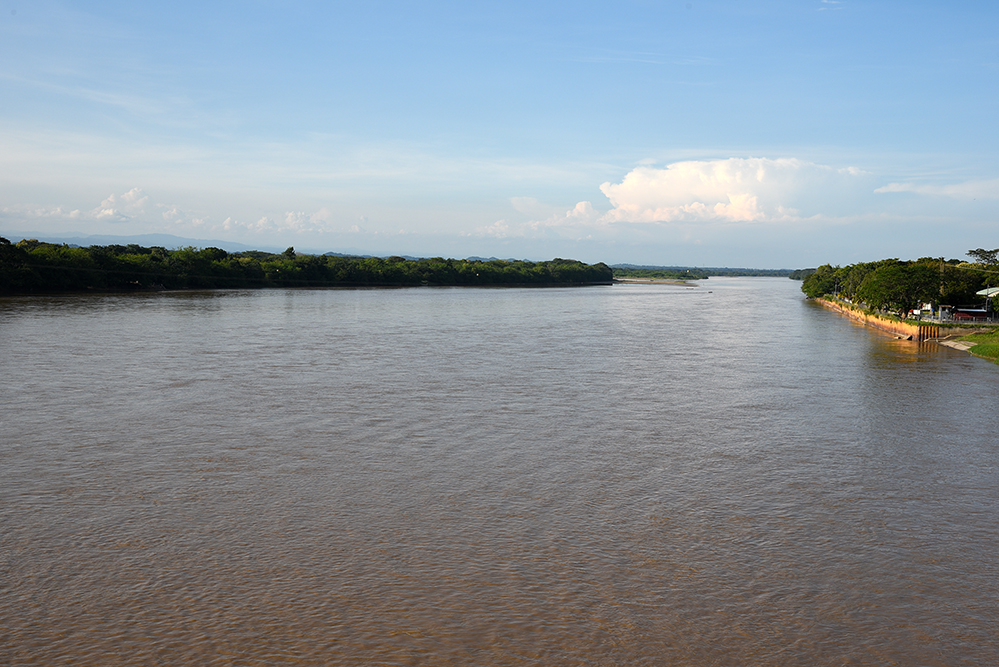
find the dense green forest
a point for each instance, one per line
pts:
(31, 266)
(898, 287)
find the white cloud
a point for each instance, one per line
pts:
(693, 194)
(499, 230)
(128, 207)
(565, 223)
(141, 213)
(299, 221)
(123, 208)
(967, 190)
(731, 190)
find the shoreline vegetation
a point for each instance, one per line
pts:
(31, 266)
(890, 294)
(982, 344)
(902, 288)
(34, 267)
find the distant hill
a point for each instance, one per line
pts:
(146, 240)
(172, 242)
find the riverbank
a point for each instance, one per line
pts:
(918, 331)
(980, 342)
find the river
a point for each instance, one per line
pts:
(632, 474)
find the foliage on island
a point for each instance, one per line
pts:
(31, 266)
(753, 273)
(661, 273)
(692, 273)
(898, 287)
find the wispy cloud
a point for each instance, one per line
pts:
(141, 212)
(988, 189)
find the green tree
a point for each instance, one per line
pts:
(987, 257)
(821, 281)
(14, 276)
(900, 287)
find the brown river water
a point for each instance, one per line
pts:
(616, 475)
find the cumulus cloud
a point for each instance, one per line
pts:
(691, 194)
(122, 208)
(731, 190)
(131, 206)
(300, 221)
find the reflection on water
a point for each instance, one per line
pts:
(615, 475)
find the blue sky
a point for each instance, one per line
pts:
(719, 133)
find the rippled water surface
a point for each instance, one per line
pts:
(641, 475)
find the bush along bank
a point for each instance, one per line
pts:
(899, 287)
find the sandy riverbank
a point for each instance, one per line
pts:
(656, 281)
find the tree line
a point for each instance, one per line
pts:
(697, 273)
(659, 273)
(31, 266)
(898, 287)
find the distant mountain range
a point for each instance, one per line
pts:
(171, 242)
(168, 241)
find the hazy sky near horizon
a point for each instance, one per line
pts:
(778, 133)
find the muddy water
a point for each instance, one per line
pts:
(643, 474)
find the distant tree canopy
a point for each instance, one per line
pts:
(692, 273)
(659, 274)
(31, 266)
(901, 286)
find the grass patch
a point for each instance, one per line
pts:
(983, 338)
(986, 345)
(988, 351)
